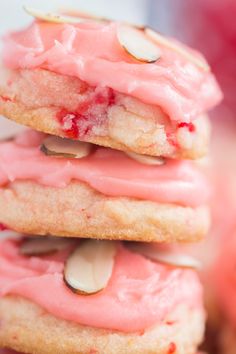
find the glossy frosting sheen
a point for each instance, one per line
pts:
(91, 52)
(140, 293)
(108, 171)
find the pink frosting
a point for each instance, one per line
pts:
(108, 171)
(91, 52)
(140, 293)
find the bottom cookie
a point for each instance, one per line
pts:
(28, 328)
(96, 297)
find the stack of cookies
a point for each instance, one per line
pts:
(117, 116)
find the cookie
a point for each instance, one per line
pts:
(127, 125)
(102, 193)
(29, 329)
(150, 99)
(79, 211)
(142, 306)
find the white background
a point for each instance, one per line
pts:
(12, 16)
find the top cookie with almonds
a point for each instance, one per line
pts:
(108, 83)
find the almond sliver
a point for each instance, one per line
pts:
(137, 44)
(89, 268)
(146, 159)
(51, 17)
(67, 148)
(167, 257)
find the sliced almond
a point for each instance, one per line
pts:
(161, 40)
(94, 17)
(43, 245)
(146, 159)
(167, 257)
(51, 17)
(62, 147)
(89, 268)
(84, 15)
(137, 44)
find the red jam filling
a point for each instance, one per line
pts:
(190, 126)
(91, 112)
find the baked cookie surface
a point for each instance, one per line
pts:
(79, 211)
(28, 328)
(126, 124)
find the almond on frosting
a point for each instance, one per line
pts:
(146, 159)
(51, 17)
(89, 268)
(164, 256)
(137, 44)
(62, 147)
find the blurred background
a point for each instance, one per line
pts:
(207, 25)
